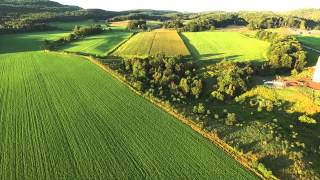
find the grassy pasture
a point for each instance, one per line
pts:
(152, 43)
(64, 118)
(100, 44)
(216, 46)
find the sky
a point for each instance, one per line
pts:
(195, 5)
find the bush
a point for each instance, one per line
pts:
(138, 85)
(231, 119)
(266, 173)
(265, 104)
(307, 120)
(217, 95)
(201, 108)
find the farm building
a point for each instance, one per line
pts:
(316, 75)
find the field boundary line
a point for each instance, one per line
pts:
(120, 44)
(183, 39)
(311, 49)
(151, 47)
(206, 134)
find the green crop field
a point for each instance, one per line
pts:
(62, 117)
(153, 43)
(216, 46)
(100, 44)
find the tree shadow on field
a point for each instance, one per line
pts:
(206, 59)
(213, 61)
(23, 42)
(248, 146)
(193, 50)
(276, 164)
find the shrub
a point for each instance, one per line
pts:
(196, 88)
(201, 108)
(266, 173)
(231, 119)
(217, 95)
(307, 120)
(138, 85)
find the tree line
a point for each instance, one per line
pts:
(253, 20)
(285, 53)
(137, 24)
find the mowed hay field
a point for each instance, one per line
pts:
(153, 43)
(100, 44)
(62, 117)
(216, 46)
(312, 41)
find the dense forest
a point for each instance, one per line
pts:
(23, 16)
(254, 20)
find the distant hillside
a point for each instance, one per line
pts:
(33, 6)
(313, 14)
(22, 1)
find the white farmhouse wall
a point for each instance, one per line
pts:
(316, 75)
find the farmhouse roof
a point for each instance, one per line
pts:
(316, 75)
